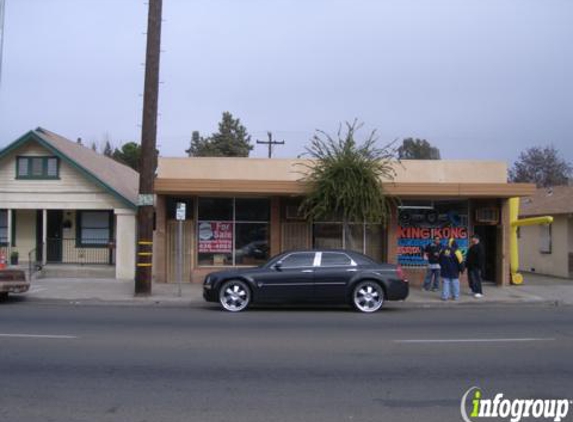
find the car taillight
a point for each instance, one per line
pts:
(400, 273)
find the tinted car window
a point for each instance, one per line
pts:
(298, 260)
(330, 259)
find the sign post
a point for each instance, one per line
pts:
(180, 217)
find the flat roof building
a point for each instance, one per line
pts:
(241, 211)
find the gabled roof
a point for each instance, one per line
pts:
(548, 201)
(119, 180)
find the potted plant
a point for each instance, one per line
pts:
(14, 258)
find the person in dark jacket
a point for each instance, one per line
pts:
(451, 265)
(475, 263)
(432, 254)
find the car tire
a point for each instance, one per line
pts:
(368, 296)
(3, 296)
(234, 296)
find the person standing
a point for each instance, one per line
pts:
(475, 263)
(451, 265)
(432, 255)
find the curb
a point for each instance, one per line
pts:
(199, 303)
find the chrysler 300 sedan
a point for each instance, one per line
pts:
(312, 276)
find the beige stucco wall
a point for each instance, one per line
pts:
(555, 263)
(70, 191)
(409, 171)
(125, 244)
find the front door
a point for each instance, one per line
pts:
(488, 238)
(54, 236)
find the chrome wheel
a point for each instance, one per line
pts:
(368, 296)
(234, 296)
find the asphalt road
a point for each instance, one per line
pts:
(101, 363)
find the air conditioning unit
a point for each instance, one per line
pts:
(487, 215)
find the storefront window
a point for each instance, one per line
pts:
(364, 238)
(327, 235)
(233, 231)
(417, 226)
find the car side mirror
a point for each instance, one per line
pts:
(279, 266)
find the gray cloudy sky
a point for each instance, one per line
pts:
(477, 78)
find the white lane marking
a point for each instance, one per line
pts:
(475, 340)
(47, 336)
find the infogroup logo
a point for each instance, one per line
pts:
(512, 409)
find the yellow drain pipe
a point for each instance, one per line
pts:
(515, 222)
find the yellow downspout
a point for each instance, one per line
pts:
(515, 222)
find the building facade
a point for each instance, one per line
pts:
(241, 211)
(63, 204)
(548, 249)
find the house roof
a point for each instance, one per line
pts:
(118, 179)
(548, 201)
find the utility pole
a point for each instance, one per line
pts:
(270, 143)
(148, 160)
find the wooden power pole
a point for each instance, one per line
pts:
(270, 143)
(148, 160)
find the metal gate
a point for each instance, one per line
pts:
(171, 256)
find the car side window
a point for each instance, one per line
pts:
(333, 259)
(297, 260)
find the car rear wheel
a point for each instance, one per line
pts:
(368, 296)
(234, 296)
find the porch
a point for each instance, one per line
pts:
(45, 239)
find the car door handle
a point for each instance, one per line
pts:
(352, 270)
(307, 271)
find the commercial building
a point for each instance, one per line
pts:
(241, 211)
(548, 249)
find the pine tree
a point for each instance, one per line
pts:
(107, 150)
(232, 140)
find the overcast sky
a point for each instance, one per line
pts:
(479, 79)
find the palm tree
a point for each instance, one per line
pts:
(345, 179)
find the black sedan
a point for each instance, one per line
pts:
(313, 276)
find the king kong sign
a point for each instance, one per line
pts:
(418, 227)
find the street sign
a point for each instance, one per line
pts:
(145, 199)
(180, 211)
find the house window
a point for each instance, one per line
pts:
(3, 227)
(233, 231)
(94, 228)
(37, 168)
(545, 238)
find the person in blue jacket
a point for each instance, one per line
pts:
(451, 265)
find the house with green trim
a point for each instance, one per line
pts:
(63, 203)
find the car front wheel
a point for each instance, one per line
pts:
(368, 296)
(234, 296)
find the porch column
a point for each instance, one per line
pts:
(125, 244)
(44, 236)
(9, 231)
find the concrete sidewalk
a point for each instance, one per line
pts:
(536, 290)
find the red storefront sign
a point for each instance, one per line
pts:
(215, 237)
